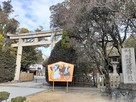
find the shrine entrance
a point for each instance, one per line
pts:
(46, 38)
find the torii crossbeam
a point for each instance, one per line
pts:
(32, 39)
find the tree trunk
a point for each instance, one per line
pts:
(94, 83)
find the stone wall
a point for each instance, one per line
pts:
(26, 76)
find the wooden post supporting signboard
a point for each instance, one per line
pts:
(53, 86)
(67, 86)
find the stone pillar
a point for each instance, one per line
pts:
(114, 64)
(18, 60)
(52, 41)
(35, 40)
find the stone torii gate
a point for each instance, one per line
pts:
(32, 39)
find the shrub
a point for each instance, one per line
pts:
(4, 95)
(18, 99)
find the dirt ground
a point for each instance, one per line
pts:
(71, 96)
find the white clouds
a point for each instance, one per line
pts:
(40, 13)
(3, 0)
(33, 13)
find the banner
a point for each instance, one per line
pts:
(61, 72)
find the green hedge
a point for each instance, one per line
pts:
(18, 99)
(4, 96)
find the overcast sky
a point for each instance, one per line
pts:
(33, 13)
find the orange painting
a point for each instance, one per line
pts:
(60, 71)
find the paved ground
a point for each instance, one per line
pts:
(24, 88)
(29, 88)
(39, 85)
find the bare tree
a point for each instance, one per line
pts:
(95, 25)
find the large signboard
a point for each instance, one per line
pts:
(128, 65)
(61, 72)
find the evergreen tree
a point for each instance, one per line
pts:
(61, 53)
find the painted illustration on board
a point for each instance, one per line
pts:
(60, 71)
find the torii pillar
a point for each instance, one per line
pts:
(18, 60)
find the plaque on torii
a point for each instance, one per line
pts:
(35, 40)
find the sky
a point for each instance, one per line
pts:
(32, 14)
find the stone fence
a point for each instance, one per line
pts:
(26, 76)
(114, 81)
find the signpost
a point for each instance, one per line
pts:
(128, 65)
(60, 72)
